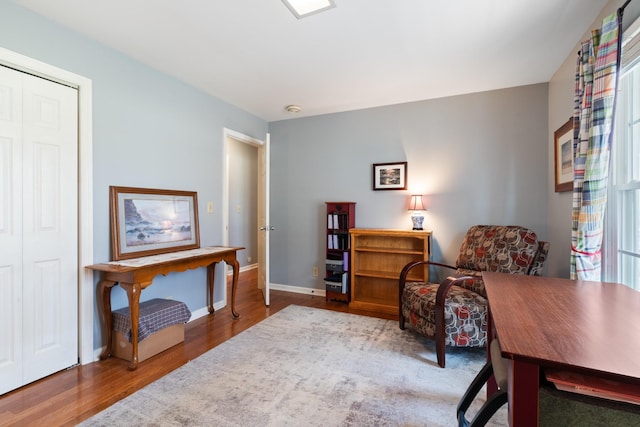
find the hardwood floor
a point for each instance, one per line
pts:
(76, 394)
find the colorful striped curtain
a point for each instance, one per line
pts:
(596, 83)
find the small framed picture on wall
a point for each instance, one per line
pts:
(390, 176)
(564, 157)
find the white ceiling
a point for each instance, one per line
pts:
(256, 55)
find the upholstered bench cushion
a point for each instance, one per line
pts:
(465, 314)
(155, 315)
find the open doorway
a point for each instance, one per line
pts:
(243, 198)
(245, 202)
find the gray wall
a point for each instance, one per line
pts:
(478, 158)
(149, 130)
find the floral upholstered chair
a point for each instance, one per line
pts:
(454, 312)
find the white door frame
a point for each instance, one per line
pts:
(86, 288)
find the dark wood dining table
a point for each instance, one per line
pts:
(590, 328)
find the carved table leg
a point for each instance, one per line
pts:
(234, 286)
(133, 294)
(104, 291)
(230, 260)
(211, 270)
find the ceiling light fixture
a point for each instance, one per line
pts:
(293, 108)
(302, 8)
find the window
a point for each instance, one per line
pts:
(622, 247)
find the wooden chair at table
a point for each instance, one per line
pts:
(454, 312)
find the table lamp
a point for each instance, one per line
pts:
(417, 208)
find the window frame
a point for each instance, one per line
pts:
(620, 264)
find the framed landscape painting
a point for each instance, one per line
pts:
(148, 221)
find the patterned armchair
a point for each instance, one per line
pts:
(454, 312)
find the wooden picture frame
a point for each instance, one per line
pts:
(564, 157)
(147, 221)
(390, 176)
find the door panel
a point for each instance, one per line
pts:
(43, 227)
(10, 320)
(50, 228)
(10, 229)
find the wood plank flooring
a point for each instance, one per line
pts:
(76, 394)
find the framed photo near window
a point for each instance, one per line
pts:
(148, 221)
(390, 176)
(564, 157)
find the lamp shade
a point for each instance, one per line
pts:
(415, 204)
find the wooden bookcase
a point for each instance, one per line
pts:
(341, 216)
(378, 256)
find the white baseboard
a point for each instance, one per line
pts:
(204, 311)
(297, 289)
(96, 353)
(279, 287)
(245, 268)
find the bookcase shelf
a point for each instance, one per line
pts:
(341, 216)
(390, 250)
(386, 275)
(378, 256)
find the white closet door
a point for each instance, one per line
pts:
(45, 213)
(10, 229)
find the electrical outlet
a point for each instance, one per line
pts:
(248, 259)
(315, 272)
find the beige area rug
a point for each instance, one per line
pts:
(309, 367)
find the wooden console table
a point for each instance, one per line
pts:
(135, 274)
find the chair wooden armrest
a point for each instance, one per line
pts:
(407, 268)
(441, 297)
(403, 280)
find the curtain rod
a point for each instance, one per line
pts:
(620, 13)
